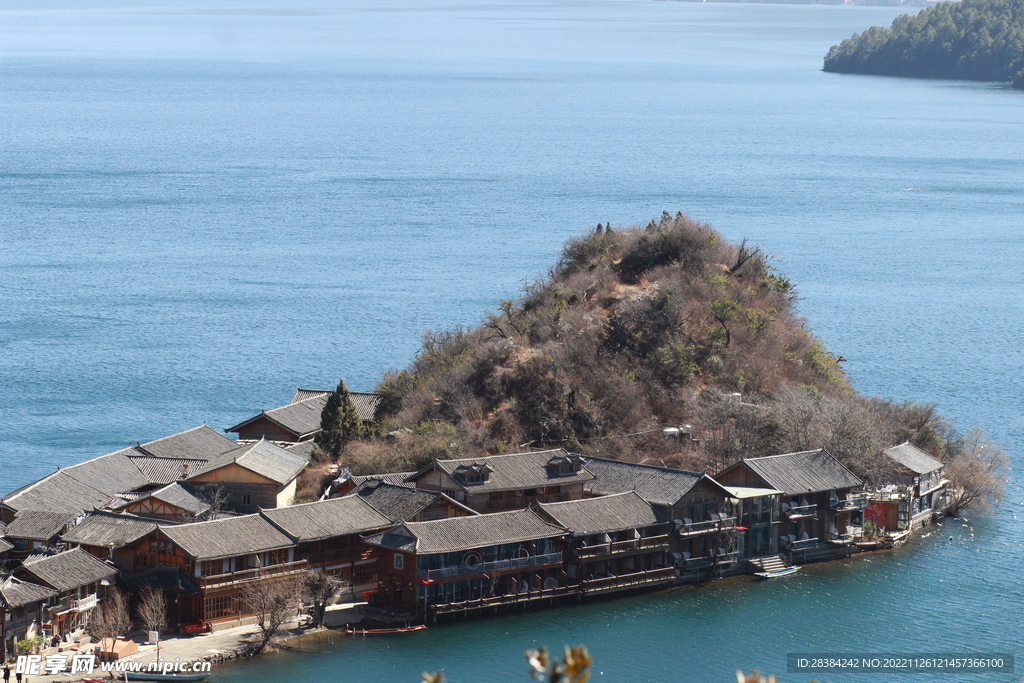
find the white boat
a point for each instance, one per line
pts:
(776, 573)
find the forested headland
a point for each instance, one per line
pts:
(977, 40)
(634, 331)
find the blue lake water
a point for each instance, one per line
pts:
(205, 205)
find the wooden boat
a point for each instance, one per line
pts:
(383, 631)
(776, 573)
(147, 676)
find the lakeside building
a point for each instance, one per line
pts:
(819, 495)
(174, 502)
(34, 529)
(913, 490)
(113, 536)
(79, 580)
(468, 564)
(404, 504)
(251, 476)
(300, 420)
(327, 538)
(616, 542)
(513, 481)
(21, 607)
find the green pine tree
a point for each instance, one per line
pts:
(339, 423)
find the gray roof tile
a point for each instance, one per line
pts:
(166, 470)
(15, 593)
(397, 503)
(464, 533)
(603, 514)
(198, 443)
(913, 458)
(511, 471)
(262, 457)
(327, 518)
(803, 472)
(227, 537)
(658, 485)
(103, 529)
(69, 569)
(39, 525)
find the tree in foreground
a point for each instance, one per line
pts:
(976, 475)
(111, 618)
(319, 588)
(152, 612)
(339, 423)
(273, 603)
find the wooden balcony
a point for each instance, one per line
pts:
(857, 501)
(86, 603)
(626, 581)
(247, 575)
(649, 543)
(800, 511)
(342, 555)
(534, 561)
(707, 526)
(497, 601)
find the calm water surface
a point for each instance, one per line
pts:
(205, 205)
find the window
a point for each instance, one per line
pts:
(399, 561)
(220, 606)
(364, 573)
(246, 499)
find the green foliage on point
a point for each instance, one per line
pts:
(339, 424)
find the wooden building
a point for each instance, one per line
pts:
(252, 476)
(703, 513)
(173, 502)
(221, 558)
(507, 482)
(113, 536)
(466, 564)
(618, 542)
(80, 581)
(300, 420)
(327, 534)
(913, 490)
(818, 497)
(404, 504)
(21, 605)
(34, 529)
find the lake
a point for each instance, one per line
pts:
(206, 205)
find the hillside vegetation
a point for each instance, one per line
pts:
(631, 332)
(978, 40)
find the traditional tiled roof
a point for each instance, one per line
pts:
(39, 525)
(262, 457)
(463, 533)
(198, 443)
(5, 546)
(804, 472)
(658, 485)
(394, 478)
(512, 471)
(303, 449)
(69, 569)
(327, 518)
(913, 458)
(603, 514)
(227, 537)
(166, 470)
(397, 503)
(366, 403)
(14, 593)
(103, 529)
(57, 492)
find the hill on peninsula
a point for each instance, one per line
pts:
(977, 40)
(631, 332)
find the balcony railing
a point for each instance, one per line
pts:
(857, 501)
(802, 544)
(889, 496)
(82, 604)
(519, 502)
(256, 574)
(488, 567)
(706, 526)
(519, 598)
(339, 555)
(627, 580)
(802, 510)
(645, 543)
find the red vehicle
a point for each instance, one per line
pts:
(194, 627)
